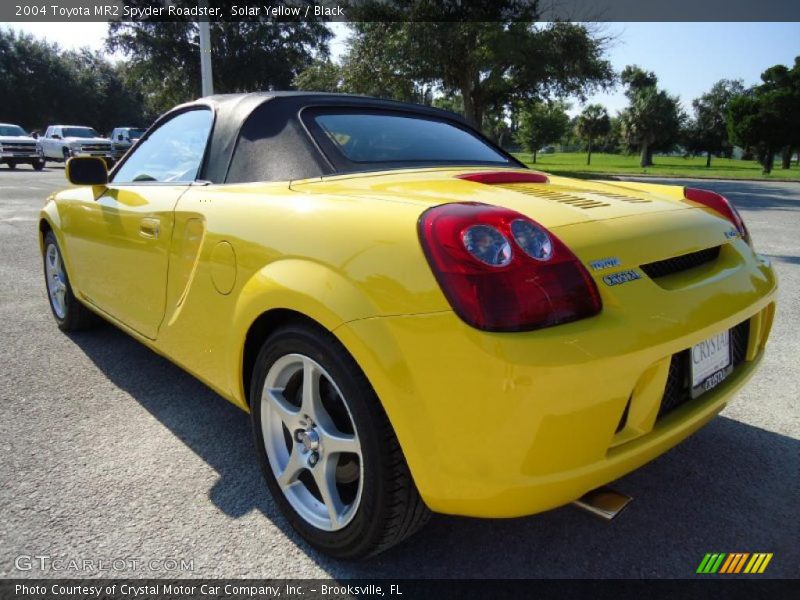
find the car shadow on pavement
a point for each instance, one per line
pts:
(794, 260)
(732, 487)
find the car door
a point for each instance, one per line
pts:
(120, 241)
(48, 142)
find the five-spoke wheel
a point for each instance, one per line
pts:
(56, 280)
(312, 443)
(326, 448)
(69, 313)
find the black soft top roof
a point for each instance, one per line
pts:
(260, 136)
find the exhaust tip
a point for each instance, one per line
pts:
(603, 502)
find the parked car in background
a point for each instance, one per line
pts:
(62, 142)
(18, 147)
(122, 138)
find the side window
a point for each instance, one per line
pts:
(171, 153)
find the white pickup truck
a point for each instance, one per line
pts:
(61, 142)
(17, 147)
(122, 138)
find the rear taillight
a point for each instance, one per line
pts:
(502, 271)
(719, 204)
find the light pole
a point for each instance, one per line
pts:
(205, 53)
(206, 80)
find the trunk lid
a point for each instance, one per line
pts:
(561, 201)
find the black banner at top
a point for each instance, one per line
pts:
(399, 10)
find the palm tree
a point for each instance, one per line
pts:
(653, 119)
(593, 123)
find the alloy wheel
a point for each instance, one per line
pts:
(311, 441)
(56, 281)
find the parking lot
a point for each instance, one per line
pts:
(109, 451)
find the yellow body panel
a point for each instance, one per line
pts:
(491, 424)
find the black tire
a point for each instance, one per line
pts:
(65, 154)
(75, 315)
(38, 165)
(12, 164)
(390, 507)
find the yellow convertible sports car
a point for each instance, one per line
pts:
(415, 321)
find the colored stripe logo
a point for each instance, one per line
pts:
(734, 562)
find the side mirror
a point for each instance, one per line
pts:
(87, 170)
(119, 137)
(56, 136)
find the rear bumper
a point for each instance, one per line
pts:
(503, 425)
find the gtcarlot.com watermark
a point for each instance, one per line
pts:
(120, 564)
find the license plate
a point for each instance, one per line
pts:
(710, 362)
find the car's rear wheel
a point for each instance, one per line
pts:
(69, 313)
(326, 448)
(65, 154)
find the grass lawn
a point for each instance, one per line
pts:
(574, 164)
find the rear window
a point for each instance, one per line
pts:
(385, 138)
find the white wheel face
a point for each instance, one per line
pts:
(56, 281)
(311, 441)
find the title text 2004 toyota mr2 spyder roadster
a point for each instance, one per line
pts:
(415, 321)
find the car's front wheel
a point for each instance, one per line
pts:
(38, 164)
(326, 448)
(69, 313)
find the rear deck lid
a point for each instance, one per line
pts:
(553, 201)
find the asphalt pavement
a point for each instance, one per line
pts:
(110, 452)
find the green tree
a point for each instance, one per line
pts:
(636, 79)
(708, 132)
(373, 65)
(652, 121)
(784, 85)
(322, 75)
(451, 102)
(593, 124)
(489, 64)
(570, 142)
(765, 118)
(541, 123)
(611, 141)
(756, 121)
(41, 84)
(164, 58)
(496, 126)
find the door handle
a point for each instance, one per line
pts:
(148, 228)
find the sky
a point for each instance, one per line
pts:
(688, 58)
